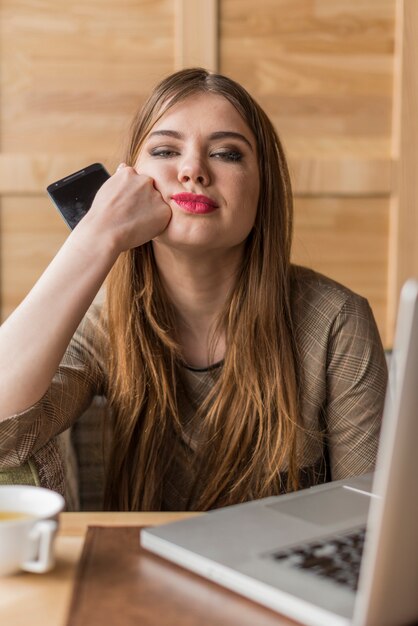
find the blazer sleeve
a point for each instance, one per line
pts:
(356, 378)
(79, 377)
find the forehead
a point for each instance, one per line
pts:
(206, 113)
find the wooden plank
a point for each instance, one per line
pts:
(32, 232)
(346, 239)
(26, 174)
(403, 261)
(73, 73)
(320, 69)
(30, 174)
(196, 34)
(341, 176)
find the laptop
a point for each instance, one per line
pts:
(341, 553)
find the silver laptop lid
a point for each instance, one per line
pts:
(389, 575)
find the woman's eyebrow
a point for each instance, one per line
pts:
(226, 134)
(166, 133)
(220, 134)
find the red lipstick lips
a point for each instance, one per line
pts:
(195, 203)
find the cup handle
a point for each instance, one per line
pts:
(41, 537)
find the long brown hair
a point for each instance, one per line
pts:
(250, 419)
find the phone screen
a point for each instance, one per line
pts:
(74, 194)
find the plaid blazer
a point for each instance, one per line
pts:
(343, 380)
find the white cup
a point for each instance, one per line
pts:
(27, 538)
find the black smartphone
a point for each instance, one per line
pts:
(74, 194)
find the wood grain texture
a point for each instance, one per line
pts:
(119, 582)
(77, 523)
(49, 595)
(73, 73)
(32, 232)
(341, 176)
(196, 34)
(30, 174)
(404, 209)
(320, 69)
(346, 239)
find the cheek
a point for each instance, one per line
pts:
(247, 193)
(160, 171)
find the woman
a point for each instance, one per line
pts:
(230, 373)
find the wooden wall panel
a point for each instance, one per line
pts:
(32, 232)
(196, 40)
(71, 76)
(322, 70)
(72, 73)
(346, 239)
(404, 210)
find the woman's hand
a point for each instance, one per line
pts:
(128, 209)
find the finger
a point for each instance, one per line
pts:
(121, 166)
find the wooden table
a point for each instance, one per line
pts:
(43, 599)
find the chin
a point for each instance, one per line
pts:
(184, 246)
(188, 239)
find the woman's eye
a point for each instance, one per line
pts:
(228, 155)
(164, 153)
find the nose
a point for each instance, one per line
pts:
(193, 169)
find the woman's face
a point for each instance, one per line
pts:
(203, 159)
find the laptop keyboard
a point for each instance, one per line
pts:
(337, 558)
